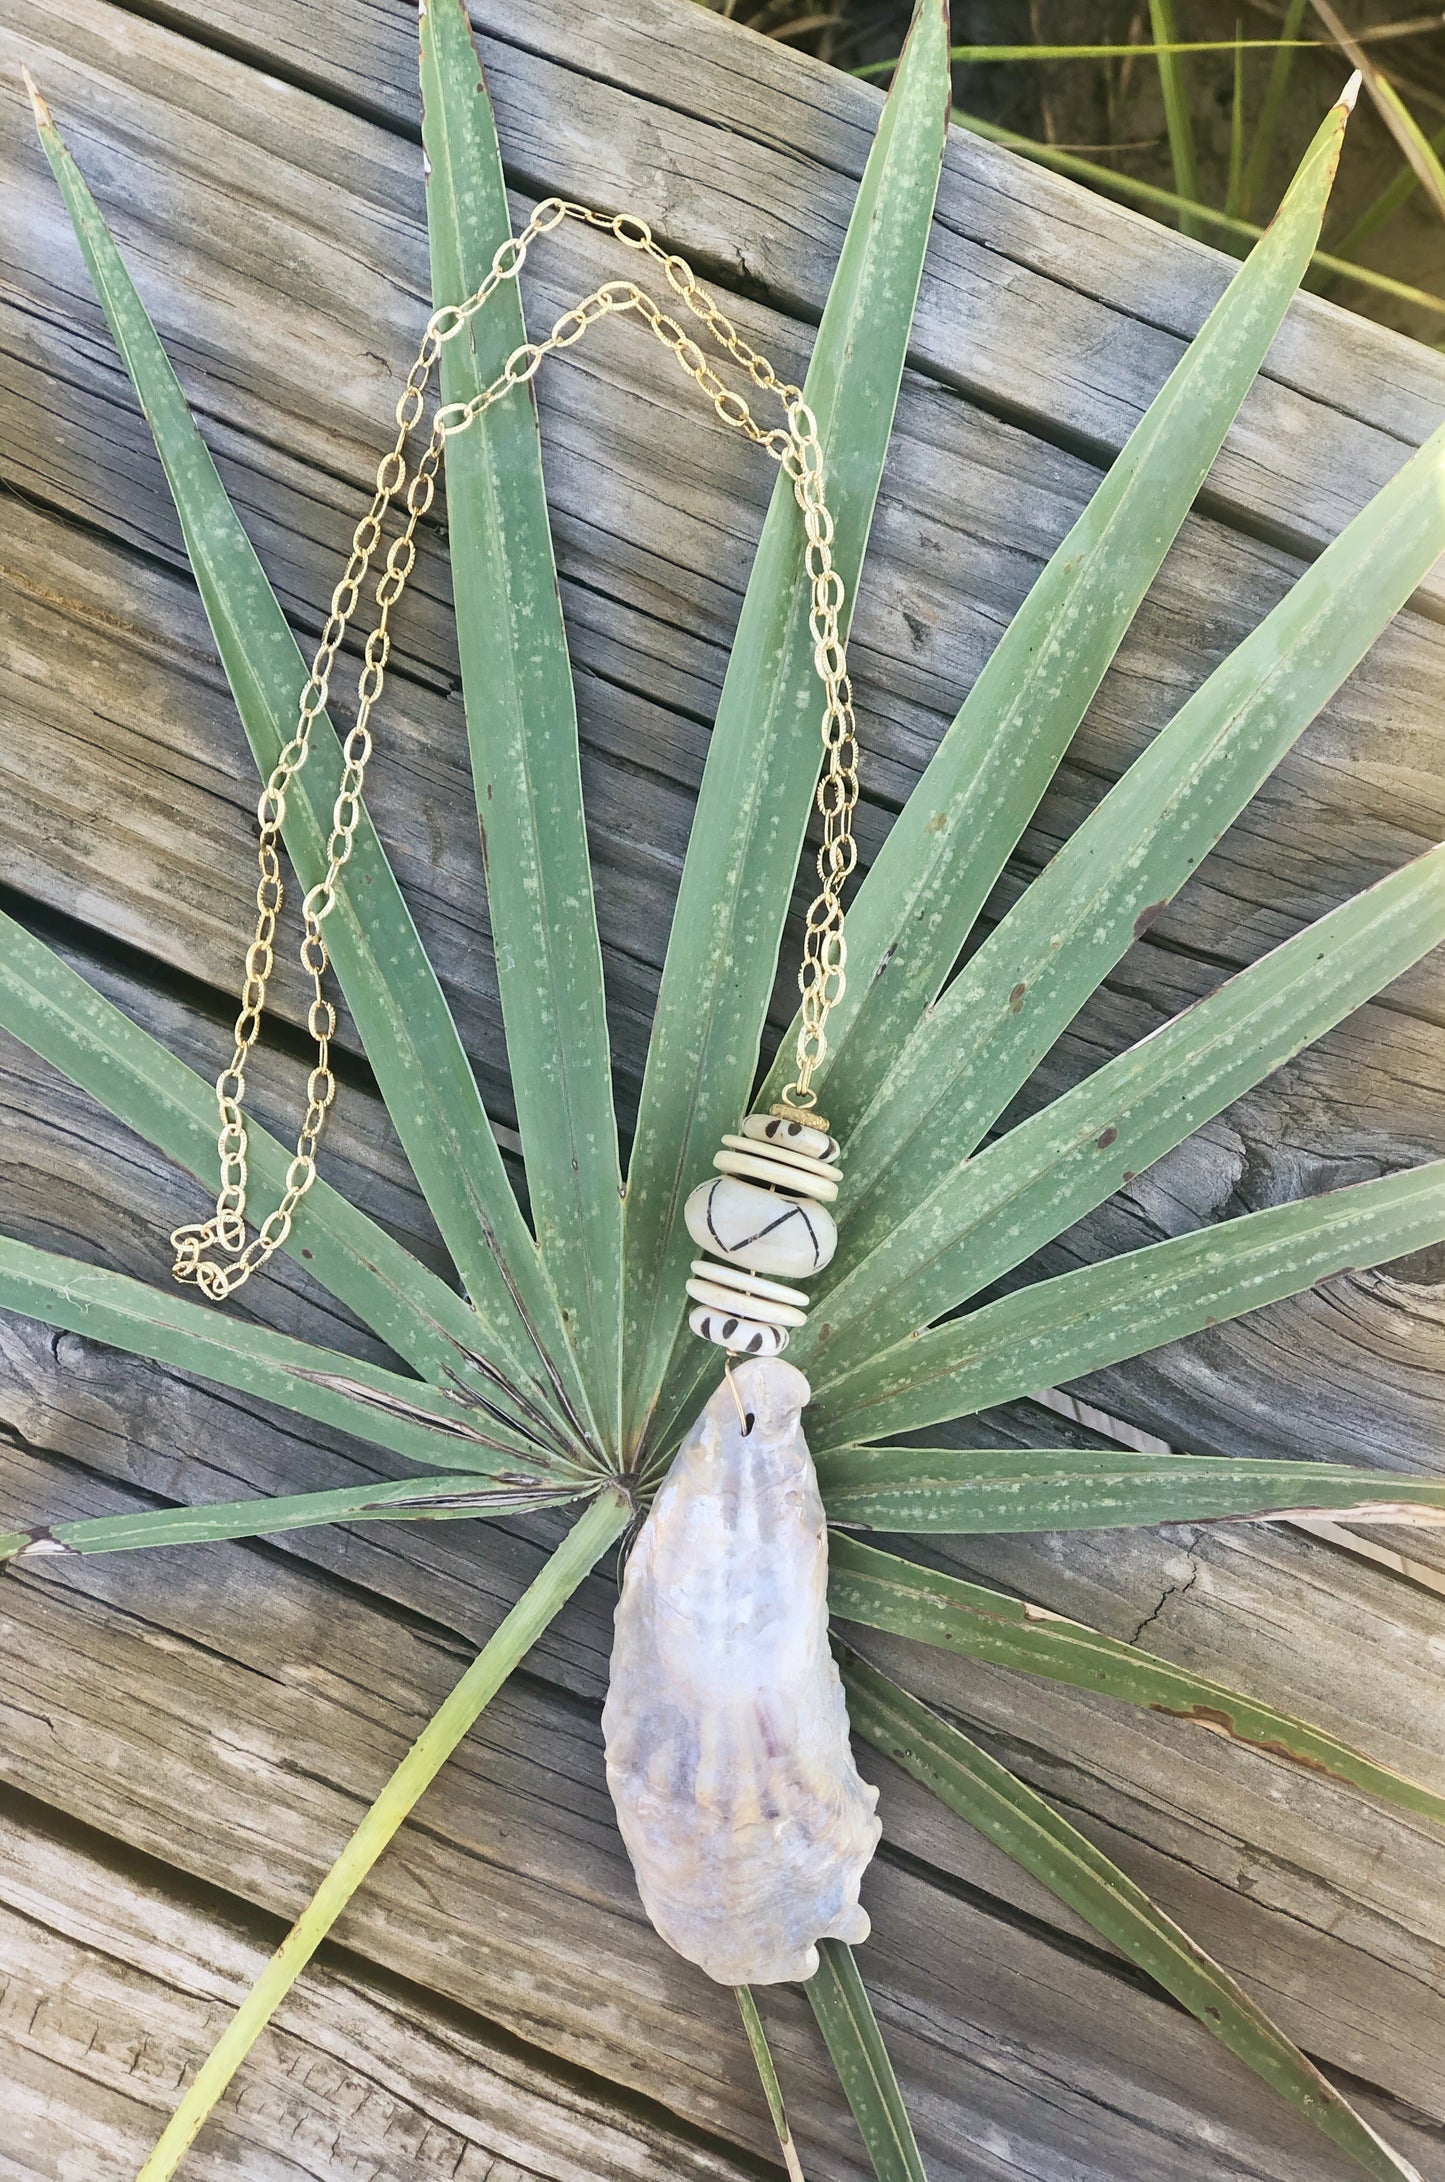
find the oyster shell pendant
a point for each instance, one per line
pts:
(725, 1724)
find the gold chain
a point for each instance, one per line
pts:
(214, 1255)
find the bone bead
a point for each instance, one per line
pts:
(772, 1129)
(753, 1284)
(783, 1160)
(738, 1335)
(762, 1168)
(733, 1301)
(760, 1229)
(725, 1726)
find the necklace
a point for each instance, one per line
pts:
(725, 1724)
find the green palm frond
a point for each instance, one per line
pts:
(561, 1373)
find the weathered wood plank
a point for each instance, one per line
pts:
(113, 1985)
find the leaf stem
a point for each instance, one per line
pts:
(768, 2076)
(585, 1544)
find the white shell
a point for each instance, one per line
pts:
(726, 1729)
(741, 1336)
(767, 1313)
(757, 1228)
(762, 1167)
(792, 1134)
(753, 1284)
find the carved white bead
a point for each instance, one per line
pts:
(759, 1167)
(733, 1301)
(738, 1335)
(752, 1284)
(758, 1228)
(775, 1130)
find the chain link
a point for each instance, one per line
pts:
(214, 1254)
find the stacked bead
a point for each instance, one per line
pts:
(764, 1215)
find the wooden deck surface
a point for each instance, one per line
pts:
(186, 1739)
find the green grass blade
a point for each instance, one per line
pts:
(964, 1061)
(1385, 206)
(54, 1011)
(1009, 1813)
(1256, 166)
(768, 2077)
(522, 727)
(1177, 120)
(398, 1006)
(1236, 126)
(448, 1431)
(855, 2043)
(1060, 1329)
(880, 1591)
(1109, 182)
(944, 1226)
(947, 848)
(991, 55)
(601, 1525)
(1391, 108)
(1418, 149)
(763, 762)
(967, 1491)
(416, 1499)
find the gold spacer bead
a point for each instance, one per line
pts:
(805, 1119)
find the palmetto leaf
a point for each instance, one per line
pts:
(522, 723)
(967, 1058)
(390, 985)
(1010, 1813)
(946, 849)
(54, 1011)
(970, 1490)
(765, 753)
(448, 1431)
(419, 1499)
(855, 2043)
(767, 2070)
(881, 1591)
(989, 1213)
(1078, 1322)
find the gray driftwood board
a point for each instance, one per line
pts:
(187, 1739)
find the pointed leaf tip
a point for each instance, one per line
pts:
(1351, 92)
(43, 117)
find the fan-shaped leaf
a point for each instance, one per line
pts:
(989, 1213)
(397, 1003)
(416, 1499)
(54, 1011)
(768, 2077)
(965, 1060)
(845, 2016)
(883, 1592)
(970, 1490)
(448, 1431)
(1010, 1813)
(765, 753)
(1059, 1329)
(940, 863)
(522, 724)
